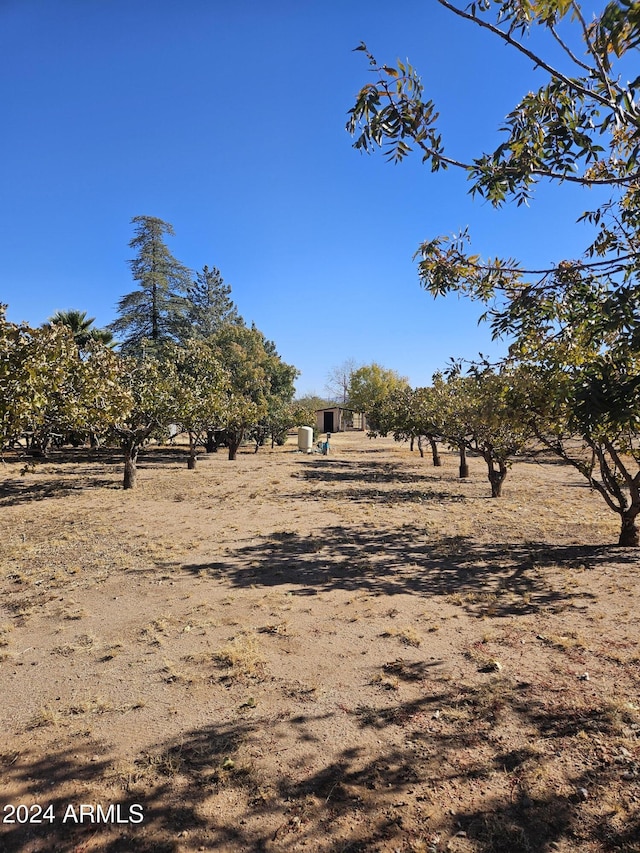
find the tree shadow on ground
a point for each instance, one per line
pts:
(68, 471)
(385, 496)
(497, 579)
(439, 770)
(15, 492)
(344, 471)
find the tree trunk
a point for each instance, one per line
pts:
(234, 440)
(40, 446)
(130, 471)
(629, 536)
(496, 477)
(411, 443)
(496, 485)
(437, 462)
(464, 468)
(420, 447)
(192, 458)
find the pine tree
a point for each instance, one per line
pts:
(209, 305)
(156, 310)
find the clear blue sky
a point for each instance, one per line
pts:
(227, 120)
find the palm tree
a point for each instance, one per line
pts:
(80, 326)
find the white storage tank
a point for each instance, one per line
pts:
(305, 439)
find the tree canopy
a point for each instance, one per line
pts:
(208, 304)
(582, 126)
(578, 320)
(153, 313)
(369, 386)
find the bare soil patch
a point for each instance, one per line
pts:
(356, 652)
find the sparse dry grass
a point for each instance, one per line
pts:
(242, 657)
(408, 636)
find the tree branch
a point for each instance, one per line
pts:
(604, 77)
(612, 262)
(538, 61)
(569, 52)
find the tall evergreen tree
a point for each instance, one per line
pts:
(154, 311)
(208, 304)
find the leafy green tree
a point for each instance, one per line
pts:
(482, 403)
(451, 423)
(93, 397)
(582, 126)
(281, 390)
(241, 352)
(585, 408)
(260, 384)
(411, 415)
(208, 305)
(472, 413)
(200, 385)
(148, 386)
(154, 313)
(34, 364)
(368, 387)
(47, 389)
(81, 327)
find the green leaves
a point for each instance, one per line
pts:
(370, 386)
(574, 326)
(390, 113)
(446, 267)
(46, 387)
(618, 28)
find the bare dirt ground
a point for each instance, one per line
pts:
(354, 653)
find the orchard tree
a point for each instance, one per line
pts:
(482, 403)
(200, 385)
(369, 386)
(586, 410)
(148, 385)
(87, 398)
(424, 420)
(154, 312)
(98, 396)
(260, 384)
(582, 126)
(241, 352)
(447, 401)
(411, 415)
(48, 389)
(281, 390)
(34, 365)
